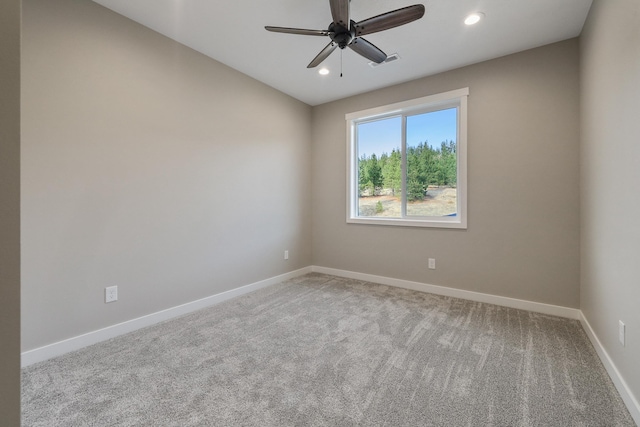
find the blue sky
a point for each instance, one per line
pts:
(382, 136)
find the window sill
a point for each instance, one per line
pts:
(446, 222)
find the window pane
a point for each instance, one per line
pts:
(432, 163)
(379, 167)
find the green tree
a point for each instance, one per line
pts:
(428, 164)
(374, 174)
(362, 174)
(392, 172)
(369, 174)
(448, 164)
(415, 182)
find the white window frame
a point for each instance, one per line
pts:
(455, 98)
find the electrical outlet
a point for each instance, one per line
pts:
(432, 263)
(286, 254)
(110, 294)
(621, 332)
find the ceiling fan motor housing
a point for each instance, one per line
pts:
(340, 35)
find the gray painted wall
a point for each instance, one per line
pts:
(10, 213)
(148, 166)
(522, 239)
(610, 179)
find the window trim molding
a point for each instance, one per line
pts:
(432, 102)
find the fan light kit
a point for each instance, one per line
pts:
(344, 32)
(474, 18)
(323, 71)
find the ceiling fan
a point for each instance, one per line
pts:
(343, 31)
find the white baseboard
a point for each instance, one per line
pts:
(59, 348)
(621, 385)
(538, 307)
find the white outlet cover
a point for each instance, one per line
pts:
(432, 263)
(110, 294)
(621, 332)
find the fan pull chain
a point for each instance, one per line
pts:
(341, 62)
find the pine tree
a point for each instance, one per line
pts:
(415, 183)
(374, 174)
(392, 172)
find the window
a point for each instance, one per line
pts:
(407, 163)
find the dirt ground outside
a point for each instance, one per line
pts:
(439, 201)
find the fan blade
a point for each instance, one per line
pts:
(324, 53)
(340, 12)
(368, 50)
(297, 31)
(388, 20)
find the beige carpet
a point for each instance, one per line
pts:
(320, 350)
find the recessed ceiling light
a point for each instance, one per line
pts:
(323, 71)
(474, 18)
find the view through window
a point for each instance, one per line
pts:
(407, 163)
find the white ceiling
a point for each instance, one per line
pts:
(233, 33)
